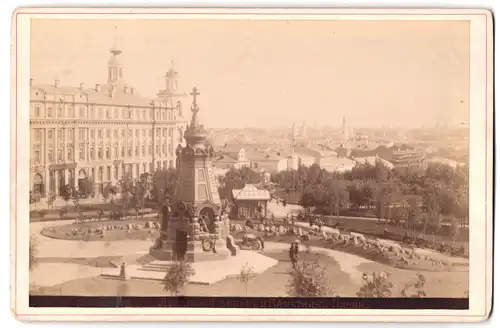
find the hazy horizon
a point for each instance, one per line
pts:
(275, 73)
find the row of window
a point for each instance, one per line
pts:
(106, 153)
(104, 173)
(108, 113)
(107, 132)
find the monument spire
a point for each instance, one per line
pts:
(195, 133)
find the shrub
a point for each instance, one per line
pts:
(376, 285)
(415, 290)
(178, 275)
(309, 279)
(246, 274)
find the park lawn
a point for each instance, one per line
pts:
(374, 228)
(272, 282)
(64, 231)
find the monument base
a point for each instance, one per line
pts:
(194, 252)
(206, 272)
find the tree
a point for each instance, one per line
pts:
(33, 251)
(375, 285)
(110, 192)
(337, 196)
(309, 279)
(454, 231)
(414, 213)
(162, 184)
(51, 199)
(127, 187)
(246, 274)
(86, 187)
(66, 193)
(178, 275)
(236, 179)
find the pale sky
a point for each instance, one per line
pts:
(274, 73)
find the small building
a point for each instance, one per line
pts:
(372, 160)
(268, 161)
(249, 201)
(232, 156)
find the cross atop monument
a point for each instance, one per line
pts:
(194, 94)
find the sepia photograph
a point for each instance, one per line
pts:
(273, 162)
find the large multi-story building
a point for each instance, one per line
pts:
(102, 132)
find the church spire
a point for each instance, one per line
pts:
(115, 66)
(115, 50)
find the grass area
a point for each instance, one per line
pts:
(119, 232)
(377, 229)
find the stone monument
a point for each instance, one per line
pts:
(194, 224)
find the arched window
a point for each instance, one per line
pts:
(99, 153)
(108, 153)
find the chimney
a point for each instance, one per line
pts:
(125, 89)
(56, 83)
(132, 91)
(81, 85)
(31, 81)
(97, 87)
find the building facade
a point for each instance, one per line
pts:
(103, 132)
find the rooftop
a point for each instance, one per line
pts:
(103, 94)
(250, 192)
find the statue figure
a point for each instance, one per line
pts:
(164, 217)
(210, 151)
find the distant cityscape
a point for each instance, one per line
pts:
(338, 149)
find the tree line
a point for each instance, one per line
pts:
(415, 195)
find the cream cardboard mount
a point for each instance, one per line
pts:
(309, 165)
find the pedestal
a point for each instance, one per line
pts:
(194, 251)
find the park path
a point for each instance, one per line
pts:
(348, 262)
(49, 274)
